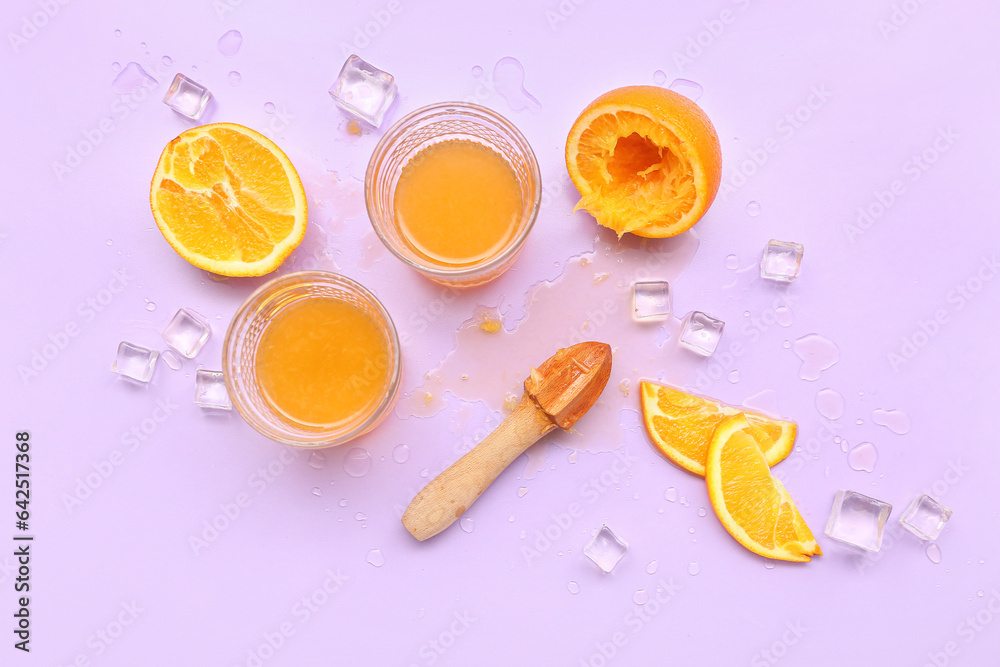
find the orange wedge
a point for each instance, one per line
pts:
(681, 426)
(646, 160)
(753, 505)
(228, 200)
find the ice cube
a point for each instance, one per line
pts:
(925, 517)
(363, 90)
(606, 549)
(701, 333)
(781, 261)
(651, 300)
(210, 390)
(857, 520)
(187, 332)
(187, 97)
(134, 361)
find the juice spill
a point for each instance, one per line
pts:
(488, 366)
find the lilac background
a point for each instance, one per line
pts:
(880, 96)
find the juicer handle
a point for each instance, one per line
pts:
(449, 495)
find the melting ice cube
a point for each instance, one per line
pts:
(187, 97)
(606, 549)
(858, 520)
(701, 333)
(651, 300)
(210, 390)
(925, 517)
(364, 90)
(134, 361)
(781, 261)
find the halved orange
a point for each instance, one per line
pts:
(681, 426)
(228, 200)
(646, 160)
(752, 504)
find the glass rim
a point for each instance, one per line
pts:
(441, 109)
(326, 437)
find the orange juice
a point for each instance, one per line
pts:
(457, 202)
(322, 363)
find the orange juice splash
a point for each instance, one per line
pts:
(457, 202)
(323, 363)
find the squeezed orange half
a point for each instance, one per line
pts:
(323, 363)
(457, 202)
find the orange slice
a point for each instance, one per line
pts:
(752, 504)
(681, 426)
(646, 160)
(228, 200)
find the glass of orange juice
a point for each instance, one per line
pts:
(453, 190)
(312, 359)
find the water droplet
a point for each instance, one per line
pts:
(467, 524)
(573, 587)
(659, 77)
(768, 565)
(360, 516)
(401, 454)
(171, 359)
(235, 78)
(131, 78)
(786, 344)
(817, 354)
(343, 502)
(753, 209)
(118, 33)
(317, 491)
(317, 460)
(933, 552)
(521, 491)
(732, 262)
(670, 495)
(702, 511)
(425, 472)
(477, 71)
(734, 376)
(230, 43)
(694, 568)
(357, 462)
(376, 558)
(784, 316)
(859, 422)
(896, 421)
(640, 596)
(167, 60)
(863, 457)
(268, 107)
(685, 502)
(980, 594)
(689, 89)
(150, 306)
(508, 80)
(830, 403)
(652, 567)
(142, 45)
(116, 67)
(511, 518)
